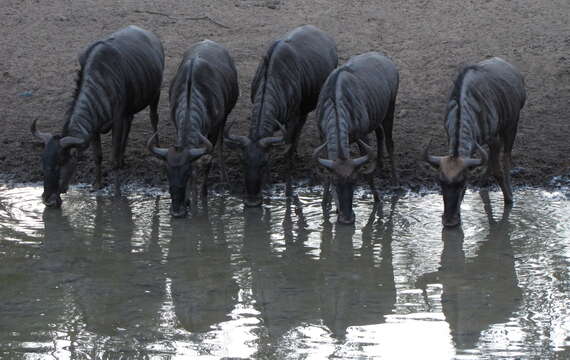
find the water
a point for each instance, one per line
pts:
(118, 278)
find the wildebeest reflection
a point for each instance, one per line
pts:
(120, 288)
(33, 281)
(283, 284)
(478, 292)
(204, 291)
(356, 287)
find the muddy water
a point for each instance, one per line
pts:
(118, 278)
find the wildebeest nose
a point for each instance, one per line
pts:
(253, 201)
(455, 221)
(178, 213)
(346, 220)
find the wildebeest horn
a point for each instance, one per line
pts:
(324, 162)
(469, 162)
(370, 156)
(40, 135)
(158, 152)
(71, 141)
(266, 141)
(237, 139)
(197, 152)
(432, 160)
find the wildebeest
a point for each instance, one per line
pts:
(284, 90)
(357, 98)
(119, 76)
(202, 94)
(483, 108)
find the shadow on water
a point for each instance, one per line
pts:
(203, 289)
(480, 291)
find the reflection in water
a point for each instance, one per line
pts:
(283, 285)
(481, 291)
(119, 290)
(203, 289)
(355, 290)
(117, 278)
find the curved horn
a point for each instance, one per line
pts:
(71, 141)
(470, 162)
(237, 139)
(266, 141)
(370, 156)
(197, 152)
(432, 160)
(324, 162)
(158, 152)
(45, 137)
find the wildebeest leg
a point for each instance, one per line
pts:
(204, 189)
(380, 144)
(124, 139)
(117, 135)
(98, 153)
(326, 197)
(292, 152)
(220, 142)
(498, 173)
(369, 177)
(507, 165)
(387, 125)
(154, 117)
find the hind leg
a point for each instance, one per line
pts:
(369, 177)
(388, 124)
(224, 173)
(117, 137)
(154, 117)
(500, 173)
(98, 153)
(124, 139)
(291, 152)
(507, 166)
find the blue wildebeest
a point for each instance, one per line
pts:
(284, 90)
(483, 108)
(119, 76)
(202, 94)
(357, 99)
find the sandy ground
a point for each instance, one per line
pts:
(428, 40)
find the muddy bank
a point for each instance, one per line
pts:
(428, 41)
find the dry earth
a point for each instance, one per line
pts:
(428, 40)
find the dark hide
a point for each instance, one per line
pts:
(119, 76)
(284, 90)
(202, 94)
(483, 109)
(357, 99)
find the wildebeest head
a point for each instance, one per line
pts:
(59, 159)
(256, 161)
(179, 170)
(453, 173)
(344, 174)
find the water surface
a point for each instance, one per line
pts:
(118, 278)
